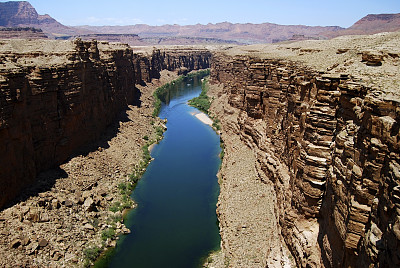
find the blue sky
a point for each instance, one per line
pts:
(158, 12)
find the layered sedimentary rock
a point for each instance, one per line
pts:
(21, 33)
(329, 143)
(57, 96)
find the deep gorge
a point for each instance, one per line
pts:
(50, 112)
(326, 144)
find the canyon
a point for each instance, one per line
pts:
(74, 115)
(310, 175)
(71, 91)
(311, 134)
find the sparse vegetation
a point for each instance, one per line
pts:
(216, 124)
(202, 102)
(115, 206)
(161, 93)
(117, 217)
(222, 153)
(108, 233)
(90, 255)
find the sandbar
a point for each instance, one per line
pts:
(203, 118)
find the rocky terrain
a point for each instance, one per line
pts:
(73, 119)
(320, 123)
(58, 95)
(69, 212)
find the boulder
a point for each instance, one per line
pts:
(89, 205)
(31, 248)
(15, 243)
(88, 226)
(25, 240)
(372, 58)
(43, 243)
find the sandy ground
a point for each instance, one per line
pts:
(203, 118)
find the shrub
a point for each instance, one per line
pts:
(91, 254)
(115, 207)
(107, 234)
(202, 102)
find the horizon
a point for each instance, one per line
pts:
(308, 13)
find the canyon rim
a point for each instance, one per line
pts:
(310, 129)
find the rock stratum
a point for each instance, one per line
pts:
(58, 95)
(311, 133)
(310, 175)
(75, 116)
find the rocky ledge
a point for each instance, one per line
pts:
(321, 122)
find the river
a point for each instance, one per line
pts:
(175, 223)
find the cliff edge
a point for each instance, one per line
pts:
(321, 122)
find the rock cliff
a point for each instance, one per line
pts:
(21, 33)
(327, 141)
(56, 96)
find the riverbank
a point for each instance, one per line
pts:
(184, 173)
(80, 212)
(245, 206)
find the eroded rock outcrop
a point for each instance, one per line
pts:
(58, 95)
(329, 144)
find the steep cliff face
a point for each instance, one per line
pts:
(54, 101)
(330, 146)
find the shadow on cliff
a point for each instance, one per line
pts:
(46, 180)
(109, 133)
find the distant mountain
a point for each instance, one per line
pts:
(244, 33)
(372, 24)
(136, 40)
(23, 14)
(376, 23)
